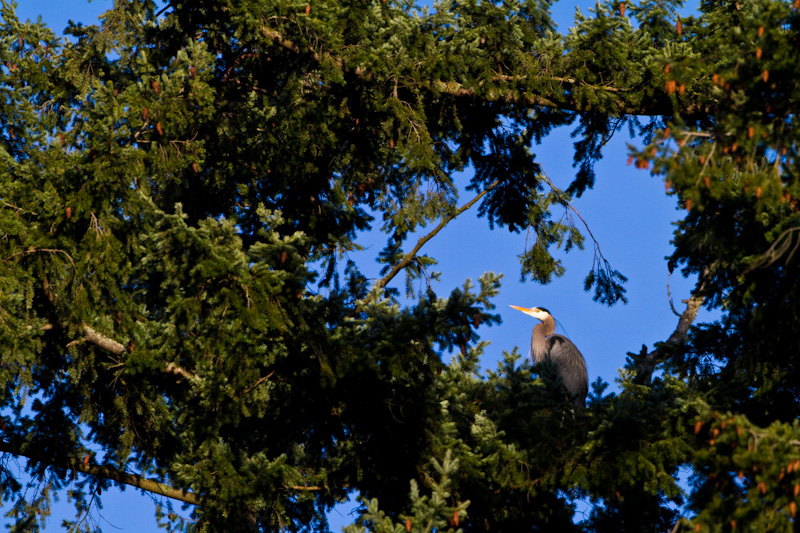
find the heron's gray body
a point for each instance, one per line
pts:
(568, 360)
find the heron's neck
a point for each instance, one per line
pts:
(539, 338)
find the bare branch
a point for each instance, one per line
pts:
(646, 362)
(410, 256)
(678, 524)
(101, 341)
(172, 368)
(684, 323)
(777, 250)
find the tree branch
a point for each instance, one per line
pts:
(101, 341)
(569, 205)
(92, 336)
(134, 480)
(777, 250)
(510, 95)
(107, 472)
(39, 250)
(409, 257)
(669, 297)
(522, 98)
(645, 363)
(110, 345)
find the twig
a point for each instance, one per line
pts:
(669, 297)
(17, 208)
(424, 272)
(706, 162)
(40, 250)
(259, 382)
(250, 87)
(776, 250)
(410, 256)
(88, 510)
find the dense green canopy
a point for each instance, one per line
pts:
(179, 184)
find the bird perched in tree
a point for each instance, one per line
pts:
(547, 346)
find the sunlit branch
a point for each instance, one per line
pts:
(110, 345)
(646, 362)
(511, 95)
(598, 252)
(410, 256)
(133, 480)
(113, 474)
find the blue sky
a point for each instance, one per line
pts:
(627, 211)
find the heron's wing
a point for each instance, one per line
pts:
(571, 367)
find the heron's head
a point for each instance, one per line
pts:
(536, 312)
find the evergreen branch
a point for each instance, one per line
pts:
(411, 256)
(598, 253)
(110, 345)
(568, 81)
(658, 108)
(455, 89)
(521, 98)
(91, 335)
(108, 472)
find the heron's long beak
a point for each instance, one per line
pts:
(525, 310)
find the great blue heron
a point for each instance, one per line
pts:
(547, 346)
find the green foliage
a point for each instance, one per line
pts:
(427, 514)
(747, 476)
(178, 190)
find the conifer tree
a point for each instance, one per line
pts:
(179, 183)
